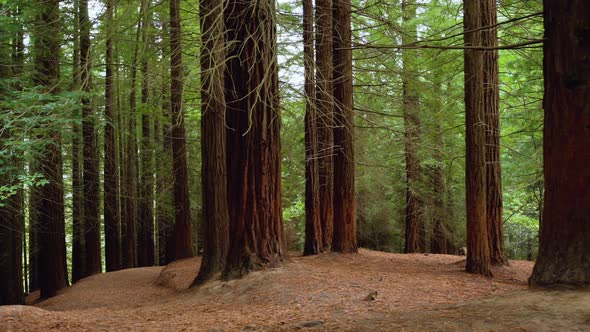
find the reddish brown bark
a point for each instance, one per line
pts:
(491, 96)
(564, 241)
(478, 253)
(253, 140)
(344, 239)
(325, 116)
(214, 169)
(183, 242)
(313, 226)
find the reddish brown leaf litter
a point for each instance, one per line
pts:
(371, 291)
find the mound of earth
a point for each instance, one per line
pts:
(371, 291)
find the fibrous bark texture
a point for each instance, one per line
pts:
(325, 116)
(344, 239)
(215, 225)
(313, 226)
(253, 140)
(564, 243)
(491, 92)
(478, 253)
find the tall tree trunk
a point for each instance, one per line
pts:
(131, 210)
(214, 174)
(90, 174)
(439, 241)
(183, 242)
(344, 200)
(414, 236)
(111, 176)
(253, 140)
(11, 229)
(164, 200)
(51, 218)
(491, 96)
(325, 116)
(78, 252)
(313, 225)
(565, 233)
(145, 242)
(478, 253)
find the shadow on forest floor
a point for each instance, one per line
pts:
(371, 291)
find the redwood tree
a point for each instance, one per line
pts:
(564, 241)
(182, 238)
(253, 140)
(313, 226)
(325, 114)
(11, 228)
(90, 176)
(491, 91)
(145, 223)
(344, 239)
(478, 253)
(111, 175)
(414, 237)
(78, 255)
(50, 204)
(215, 225)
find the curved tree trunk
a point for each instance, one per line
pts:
(344, 239)
(564, 241)
(253, 140)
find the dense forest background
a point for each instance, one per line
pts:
(417, 44)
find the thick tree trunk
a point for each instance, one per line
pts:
(11, 229)
(414, 236)
(491, 96)
(50, 200)
(564, 241)
(313, 225)
(111, 177)
(145, 241)
(90, 176)
(215, 225)
(344, 239)
(325, 116)
(183, 242)
(478, 253)
(253, 140)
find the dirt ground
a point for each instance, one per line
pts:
(371, 291)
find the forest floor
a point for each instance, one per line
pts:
(371, 291)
